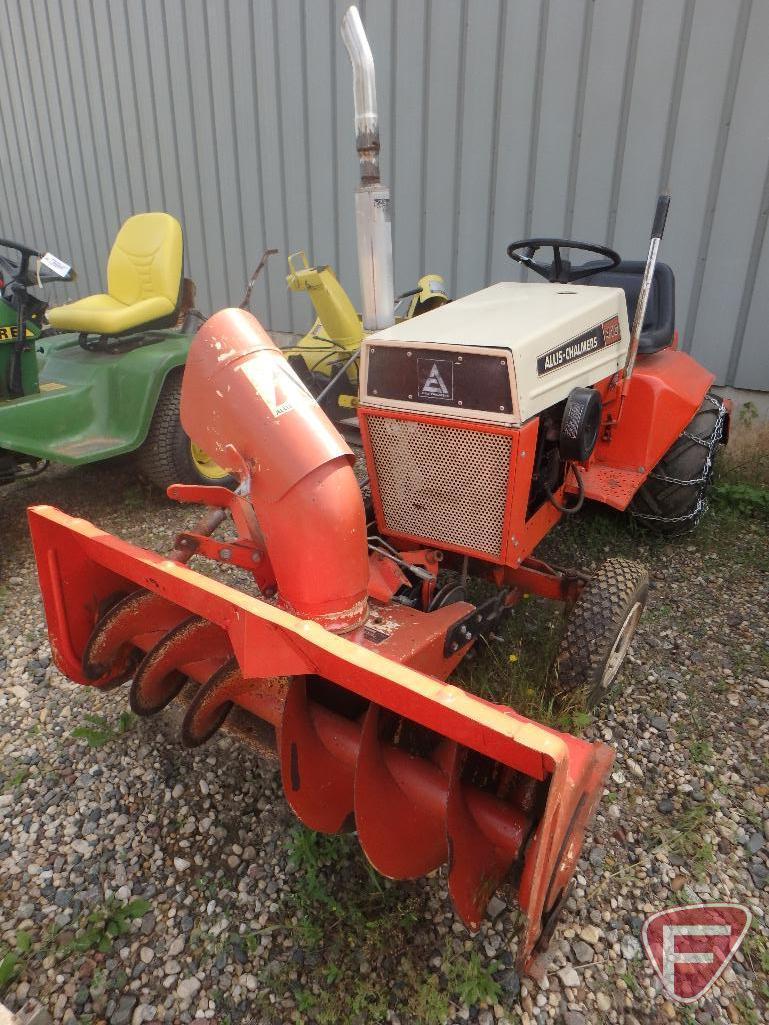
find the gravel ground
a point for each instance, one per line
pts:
(144, 883)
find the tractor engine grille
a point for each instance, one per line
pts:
(446, 485)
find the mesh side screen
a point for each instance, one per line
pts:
(447, 484)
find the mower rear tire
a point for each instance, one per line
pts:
(168, 456)
(673, 498)
(600, 629)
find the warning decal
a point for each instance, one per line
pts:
(435, 379)
(278, 385)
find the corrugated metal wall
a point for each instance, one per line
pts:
(500, 119)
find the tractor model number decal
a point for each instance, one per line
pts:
(586, 344)
(435, 379)
(375, 635)
(611, 331)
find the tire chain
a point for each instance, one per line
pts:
(701, 482)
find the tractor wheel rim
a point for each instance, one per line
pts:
(621, 645)
(205, 465)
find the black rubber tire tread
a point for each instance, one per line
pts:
(594, 623)
(165, 456)
(684, 460)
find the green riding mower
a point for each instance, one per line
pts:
(100, 377)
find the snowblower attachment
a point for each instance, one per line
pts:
(319, 664)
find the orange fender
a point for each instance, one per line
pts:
(665, 392)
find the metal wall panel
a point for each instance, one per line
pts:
(500, 118)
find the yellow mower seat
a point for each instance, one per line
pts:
(144, 276)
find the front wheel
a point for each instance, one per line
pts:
(168, 456)
(600, 629)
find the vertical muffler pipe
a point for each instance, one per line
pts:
(244, 405)
(372, 198)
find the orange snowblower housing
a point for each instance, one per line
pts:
(298, 468)
(343, 682)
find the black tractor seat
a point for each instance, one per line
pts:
(659, 323)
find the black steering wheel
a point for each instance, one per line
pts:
(560, 269)
(19, 270)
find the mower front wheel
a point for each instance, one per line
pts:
(600, 629)
(168, 456)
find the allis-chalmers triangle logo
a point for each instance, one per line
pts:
(435, 379)
(689, 947)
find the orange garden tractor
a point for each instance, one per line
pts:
(483, 422)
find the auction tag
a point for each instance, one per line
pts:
(55, 264)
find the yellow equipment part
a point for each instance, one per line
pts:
(432, 292)
(144, 275)
(337, 332)
(205, 466)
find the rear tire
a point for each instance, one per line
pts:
(600, 629)
(168, 456)
(673, 498)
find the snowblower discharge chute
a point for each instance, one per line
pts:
(324, 667)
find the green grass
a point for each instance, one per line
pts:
(745, 538)
(747, 1011)
(357, 928)
(745, 460)
(97, 931)
(684, 837)
(102, 926)
(15, 779)
(9, 967)
(517, 669)
(428, 1000)
(472, 980)
(744, 499)
(100, 731)
(755, 947)
(593, 535)
(700, 752)
(631, 981)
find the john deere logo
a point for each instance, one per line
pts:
(8, 333)
(436, 379)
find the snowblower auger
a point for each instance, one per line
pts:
(344, 683)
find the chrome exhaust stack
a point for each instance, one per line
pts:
(372, 198)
